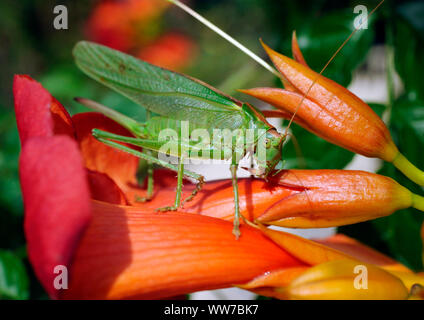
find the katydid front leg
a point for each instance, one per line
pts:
(233, 169)
(177, 203)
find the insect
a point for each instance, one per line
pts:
(175, 99)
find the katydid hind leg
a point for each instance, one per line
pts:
(150, 168)
(142, 155)
(106, 137)
(150, 182)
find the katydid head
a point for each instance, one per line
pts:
(273, 145)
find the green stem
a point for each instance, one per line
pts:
(408, 169)
(418, 202)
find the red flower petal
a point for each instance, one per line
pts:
(104, 188)
(57, 203)
(118, 165)
(38, 114)
(62, 122)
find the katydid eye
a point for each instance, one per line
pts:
(268, 143)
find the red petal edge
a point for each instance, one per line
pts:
(57, 203)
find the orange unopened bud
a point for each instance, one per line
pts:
(330, 111)
(355, 130)
(346, 279)
(336, 197)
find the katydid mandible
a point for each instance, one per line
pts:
(176, 98)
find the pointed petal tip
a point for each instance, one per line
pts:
(297, 54)
(243, 90)
(267, 48)
(250, 92)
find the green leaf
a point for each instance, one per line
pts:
(413, 12)
(10, 193)
(407, 126)
(320, 38)
(14, 283)
(378, 108)
(409, 62)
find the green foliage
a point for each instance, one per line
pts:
(10, 194)
(320, 38)
(14, 282)
(409, 50)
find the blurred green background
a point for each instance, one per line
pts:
(169, 37)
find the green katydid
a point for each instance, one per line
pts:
(176, 98)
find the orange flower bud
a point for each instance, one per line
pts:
(335, 197)
(345, 279)
(330, 111)
(366, 135)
